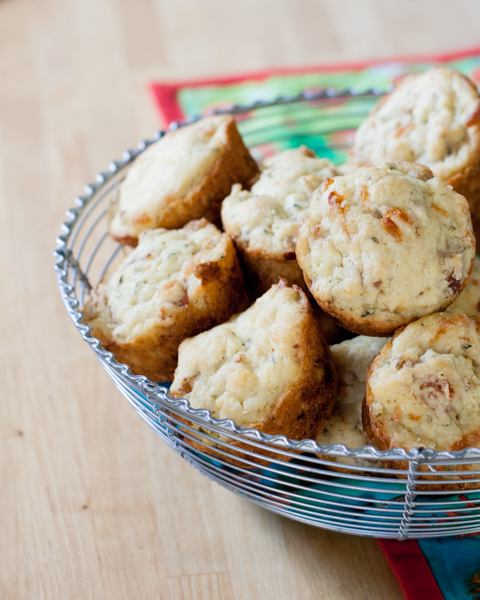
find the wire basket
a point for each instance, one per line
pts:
(333, 487)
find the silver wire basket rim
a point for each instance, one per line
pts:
(65, 260)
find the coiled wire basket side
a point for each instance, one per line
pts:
(328, 486)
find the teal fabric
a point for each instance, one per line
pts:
(455, 564)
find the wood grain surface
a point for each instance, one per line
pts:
(92, 503)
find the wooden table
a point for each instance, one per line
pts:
(92, 503)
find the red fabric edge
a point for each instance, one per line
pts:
(165, 94)
(165, 97)
(411, 569)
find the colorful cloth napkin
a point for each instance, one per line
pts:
(428, 569)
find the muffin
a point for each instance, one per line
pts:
(352, 360)
(468, 301)
(383, 246)
(268, 368)
(183, 176)
(174, 284)
(431, 118)
(423, 389)
(264, 221)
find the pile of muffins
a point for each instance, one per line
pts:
(236, 277)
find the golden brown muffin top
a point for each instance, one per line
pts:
(432, 118)
(424, 387)
(266, 218)
(170, 168)
(238, 370)
(156, 279)
(384, 245)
